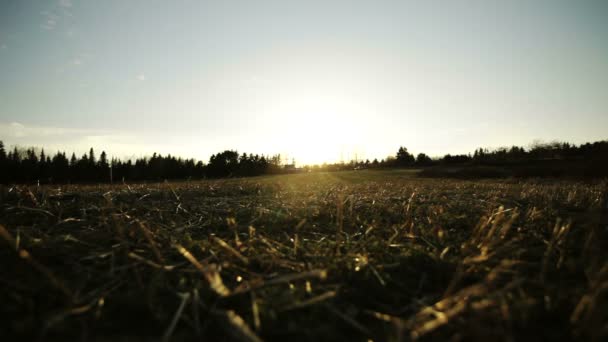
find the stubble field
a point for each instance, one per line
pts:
(362, 255)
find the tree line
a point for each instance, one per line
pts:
(537, 152)
(27, 165)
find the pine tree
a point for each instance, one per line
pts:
(31, 156)
(103, 166)
(103, 160)
(2, 152)
(4, 165)
(16, 155)
(91, 157)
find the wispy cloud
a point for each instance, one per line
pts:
(65, 7)
(19, 130)
(120, 144)
(50, 20)
(14, 129)
(80, 59)
(65, 3)
(76, 61)
(57, 14)
(54, 138)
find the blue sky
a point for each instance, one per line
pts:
(314, 80)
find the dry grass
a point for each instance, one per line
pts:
(351, 256)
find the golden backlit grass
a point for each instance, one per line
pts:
(353, 256)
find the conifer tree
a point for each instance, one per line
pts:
(103, 160)
(91, 157)
(2, 152)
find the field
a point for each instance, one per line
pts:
(362, 255)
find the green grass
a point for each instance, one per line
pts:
(357, 255)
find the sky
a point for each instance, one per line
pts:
(318, 81)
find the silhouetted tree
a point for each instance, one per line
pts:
(91, 157)
(60, 168)
(103, 168)
(5, 171)
(456, 159)
(103, 160)
(423, 160)
(2, 151)
(223, 164)
(404, 158)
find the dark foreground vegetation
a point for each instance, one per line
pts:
(30, 165)
(357, 256)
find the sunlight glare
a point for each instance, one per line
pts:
(319, 130)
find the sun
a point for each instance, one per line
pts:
(317, 122)
(319, 136)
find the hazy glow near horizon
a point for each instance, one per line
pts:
(318, 81)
